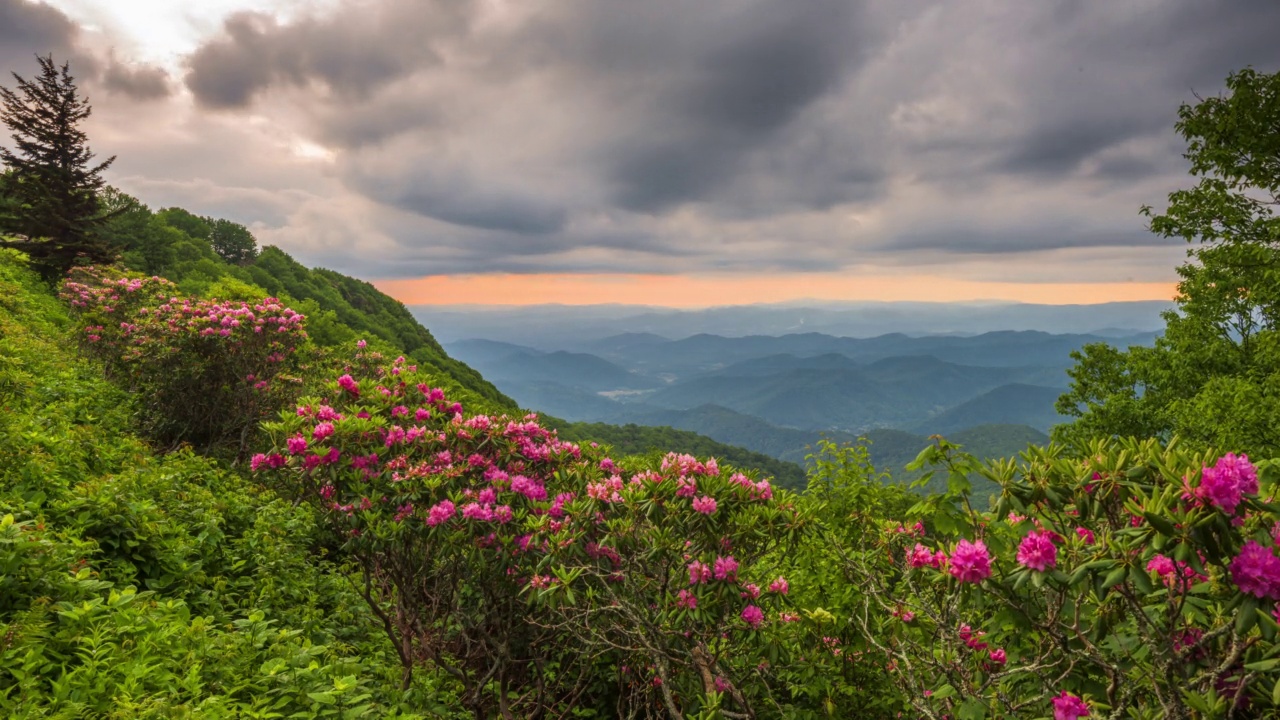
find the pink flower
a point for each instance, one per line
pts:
(361, 343)
(705, 505)
(721, 684)
(297, 445)
(348, 383)
(1171, 571)
(440, 513)
(971, 562)
(750, 590)
(920, 556)
(1037, 551)
(257, 462)
(752, 616)
(687, 599)
(998, 656)
(1069, 707)
(322, 431)
(1226, 483)
(1085, 534)
(531, 489)
(1256, 571)
(476, 511)
(780, 586)
(502, 513)
(699, 572)
(726, 568)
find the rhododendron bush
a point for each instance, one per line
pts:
(524, 566)
(674, 564)
(1139, 582)
(207, 372)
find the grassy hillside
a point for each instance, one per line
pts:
(137, 585)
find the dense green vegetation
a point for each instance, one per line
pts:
(402, 542)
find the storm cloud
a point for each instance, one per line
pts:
(393, 138)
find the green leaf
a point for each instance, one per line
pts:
(1248, 615)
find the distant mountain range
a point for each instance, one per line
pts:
(565, 327)
(778, 395)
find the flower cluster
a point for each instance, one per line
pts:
(1037, 551)
(970, 562)
(1226, 483)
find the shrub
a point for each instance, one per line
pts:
(1137, 582)
(206, 372)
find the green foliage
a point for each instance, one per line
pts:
(1213, 378)
(51, 190)
(133, 585)
(1116, 578)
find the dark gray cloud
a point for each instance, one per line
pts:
(28, 29)
(138, 82)
(425, 136)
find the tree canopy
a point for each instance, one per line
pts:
(1214, 376)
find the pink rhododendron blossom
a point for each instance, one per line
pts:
(1069, 707)
(322, 431)
(361, 344)
(440, 513)
(476, 511)
(921, 556)
(1085, 534)
(348, 383)
(970, 562)
(726, 568)
(1256, 571)
(699, 572)
(1226, 483)
(753, 616)
(686, 599)
(686, 487)
(750, 590)
(722, 685)
(297, 445)
(705, 505)
(1037, 551)
(788, 617)
(998, 656)
(503, 513)
(780, 586)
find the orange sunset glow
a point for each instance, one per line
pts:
(692, 291)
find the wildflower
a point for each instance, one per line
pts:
(1069, 707)
(687, 599)
(920, 556)
(971, 562)
(780, 586)
(753, 616)
(726, 568)
(476, 511)
(705, 505)
(1037, 551)
(440, 513)
(1256, 571)
(1226, 483)
(348, 383)
(699, 572)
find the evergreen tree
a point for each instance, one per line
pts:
(51, 189)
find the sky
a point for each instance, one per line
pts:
(665, 152)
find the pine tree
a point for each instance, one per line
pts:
(51, 190)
